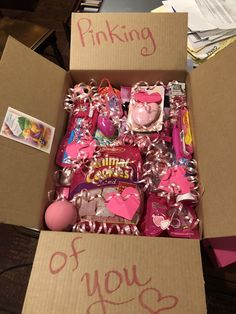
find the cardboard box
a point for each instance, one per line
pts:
(87, 273)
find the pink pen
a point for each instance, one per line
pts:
(176, 142)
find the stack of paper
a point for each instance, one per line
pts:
(211, 23)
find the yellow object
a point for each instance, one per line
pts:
(188, 136)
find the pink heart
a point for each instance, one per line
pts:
(145, 97)
(177, 176)
(144, 115)
(124, 205)
(157, 220)
(165, 224)
(82, 150)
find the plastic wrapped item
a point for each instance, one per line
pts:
(156, 220)
(181, 134)
(184, 222)
(146, 107)
(174, 219)
(112, 97)
(106, 193)
(78, 141)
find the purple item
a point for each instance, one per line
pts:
(106, 126)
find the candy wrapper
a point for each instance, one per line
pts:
(112, 97)
(175, 219)
(106, 194)
(78, 142)
(156, 219)
(181, 134)
(184, 222)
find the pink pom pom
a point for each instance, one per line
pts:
(60, 215)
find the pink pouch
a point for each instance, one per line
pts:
(156, 220)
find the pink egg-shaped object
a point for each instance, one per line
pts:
(106, 126)
(145, 114)
(60, 215)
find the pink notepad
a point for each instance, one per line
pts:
(222, 251)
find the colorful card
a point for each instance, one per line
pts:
(27, 130)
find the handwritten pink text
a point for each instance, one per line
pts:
(102, 286)
(114, 34)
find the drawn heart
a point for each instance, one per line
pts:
(163, 303)
(125, 204)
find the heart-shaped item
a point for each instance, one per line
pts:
(106, 126)
(145, 97)
(159, 302)
(176, 176)
(165, 224)
(125, 204)
(145, 114)
(159, 221)
(83, 149)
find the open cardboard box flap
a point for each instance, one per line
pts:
(115, 43)
(33, 85)
(213, 113)
(88, 273)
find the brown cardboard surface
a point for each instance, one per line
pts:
(33, 85)
(87, 273)
(128, 41)
(213, 113)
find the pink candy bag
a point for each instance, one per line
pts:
(78, 142)
(107, 198)
(178, 220)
